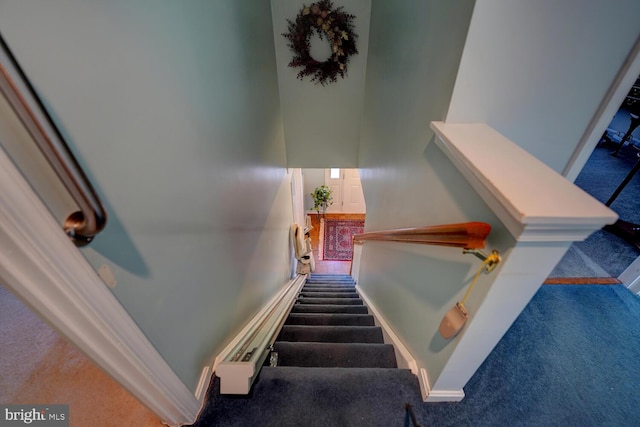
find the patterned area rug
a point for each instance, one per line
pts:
(338, 242)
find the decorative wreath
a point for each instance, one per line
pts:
(333, 24)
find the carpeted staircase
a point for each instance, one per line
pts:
(333, 369)
(549, 369)
(329, 327)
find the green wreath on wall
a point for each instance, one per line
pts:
(331, 24)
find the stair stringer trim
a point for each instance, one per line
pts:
(403, 355)
(237, 377)
(406, 359)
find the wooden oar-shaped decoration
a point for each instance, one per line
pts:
(455, 319)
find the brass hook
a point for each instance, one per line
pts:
(491, 261)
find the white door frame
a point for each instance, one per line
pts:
(631, 277)
(44, 269)
(352, 195)
(612, 101)
(608, 107)
(340, 193)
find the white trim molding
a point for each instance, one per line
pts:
(41, 266)
(407, 360)
(606, 110)
(402, 352)
(543, 212)
(203, 383)
(631, 277)
(237, 376)
(534, 202)
(445, 396)
(432, 396)
(403, 355)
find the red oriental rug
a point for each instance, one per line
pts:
(338, 241)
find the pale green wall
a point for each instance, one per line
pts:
(173, 109)
(415, 49)
(415, 285)
(413, 58)
(529, 71)
(537, 71)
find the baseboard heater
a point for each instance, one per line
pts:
(241, 361)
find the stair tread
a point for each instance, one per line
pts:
(346, 355)
(344, 290)
(330, 274)
(324, 333)
(306, 373)
(307, 294)
(309, 397)
(330, 315)
(339, 301)
(329, 308)
(336, 319)
(330, 285)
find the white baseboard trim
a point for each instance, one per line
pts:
(429, 395)
(42, 267)
(203, 383)
(423, 381)
(406, 360)
(445, 396)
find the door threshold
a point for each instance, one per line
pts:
(582, 281)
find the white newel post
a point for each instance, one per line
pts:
(542, 210)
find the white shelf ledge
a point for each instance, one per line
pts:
(533, 201)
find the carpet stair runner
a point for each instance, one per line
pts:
(532, 378)
(333, 369)
(324, 331)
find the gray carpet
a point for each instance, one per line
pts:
(332, 336)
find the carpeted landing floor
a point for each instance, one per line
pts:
(604, 254)
(570, 359)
